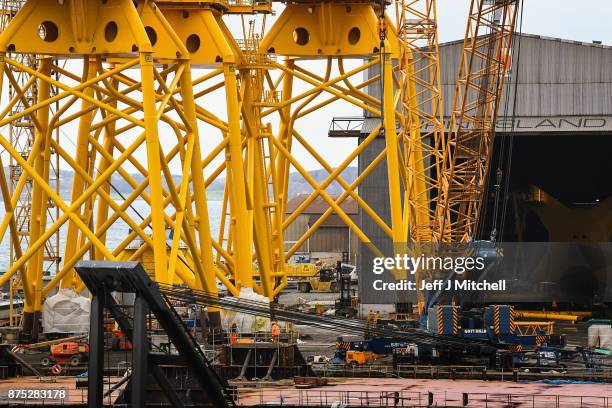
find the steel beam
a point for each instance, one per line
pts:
(95, 366)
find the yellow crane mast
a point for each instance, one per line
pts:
(422, 128)
(421, 122)
(448, 170)
(485, 61)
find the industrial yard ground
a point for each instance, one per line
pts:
(445, 393)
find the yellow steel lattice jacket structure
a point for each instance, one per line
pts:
(143, 101)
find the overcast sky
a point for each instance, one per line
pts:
(581, 20)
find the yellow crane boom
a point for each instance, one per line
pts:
(484, 65)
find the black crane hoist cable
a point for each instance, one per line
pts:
(504, 154)
(514, 105)
(339, 325)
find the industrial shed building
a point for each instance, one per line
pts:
(331, 239)
(555, 127)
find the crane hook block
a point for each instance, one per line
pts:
(382, 28)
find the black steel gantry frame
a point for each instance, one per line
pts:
(104, 277)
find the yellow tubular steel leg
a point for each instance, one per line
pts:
(285, 135)
(243, 266)
(201, 204)
(262, 231)
(395, 200)
(83, 161)
(39, 210)
(153, 157)
(102, 216)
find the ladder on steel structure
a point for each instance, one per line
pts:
(104, 277)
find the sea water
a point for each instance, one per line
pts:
(117, 232)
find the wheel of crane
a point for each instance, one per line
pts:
(75, 360)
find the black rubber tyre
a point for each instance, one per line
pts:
(45, 361)
(75, 360)
(304, 287)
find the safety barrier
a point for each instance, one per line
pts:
(458, 371)
(329, 398)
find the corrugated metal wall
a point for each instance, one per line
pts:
(331, 239)
(555, 77)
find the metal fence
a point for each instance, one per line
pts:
(401, 371)
(408, 399)
(456, 371)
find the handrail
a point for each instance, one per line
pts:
(414, 399)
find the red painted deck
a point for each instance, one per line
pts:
(414, 392)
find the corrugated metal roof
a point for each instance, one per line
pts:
(319, 205)
(542, 37)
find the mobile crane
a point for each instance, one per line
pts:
(445, 195)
